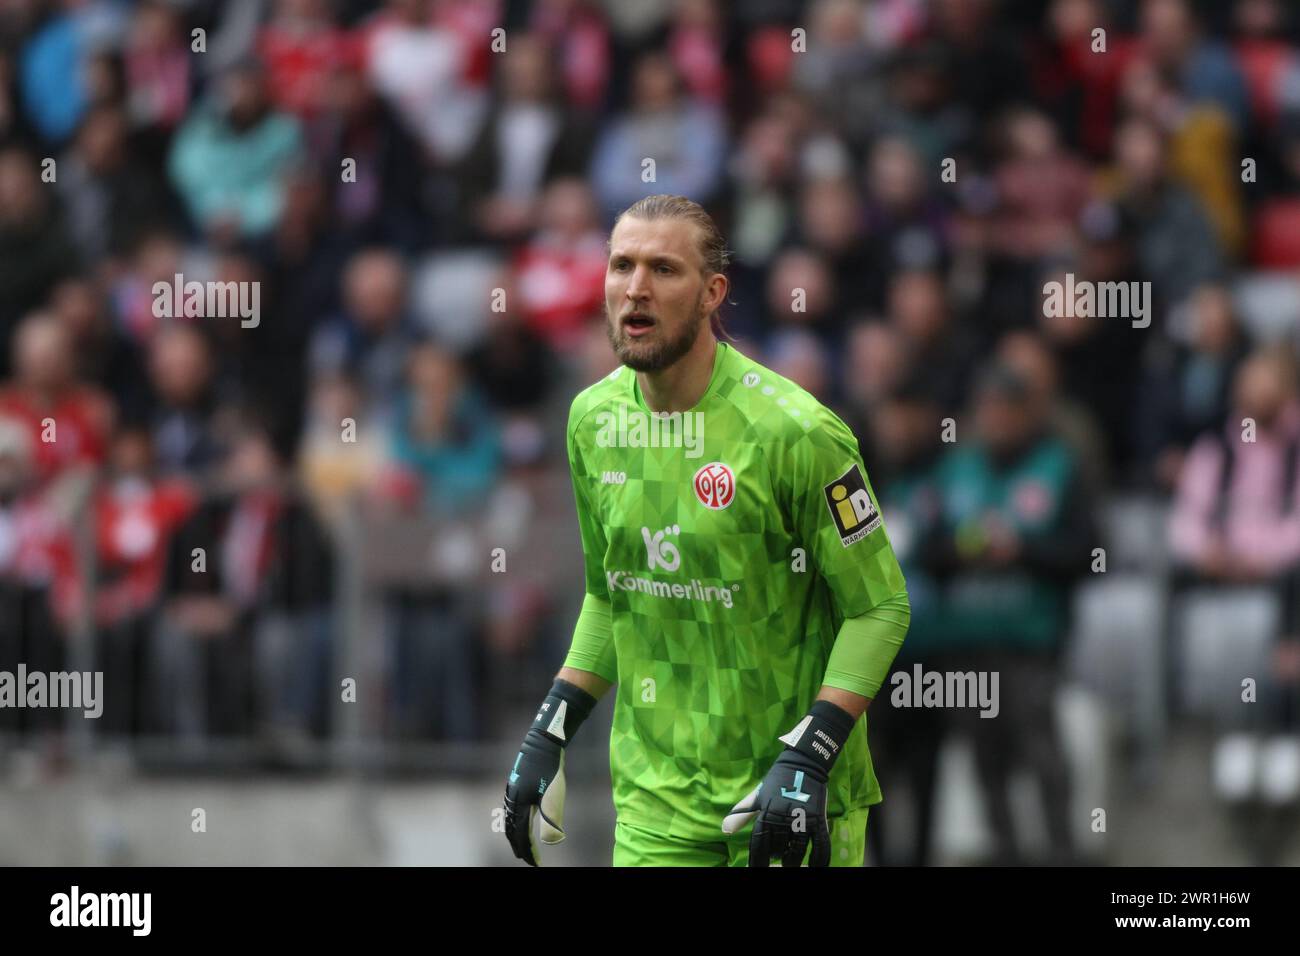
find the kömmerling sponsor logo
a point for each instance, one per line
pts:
(694, 590)
(633, 428)
(948, 689)
(75, 908)
(208, 300)
(1102, 300)
(60, 689)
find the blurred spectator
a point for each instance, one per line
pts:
(1201, 143)
(156, 61)
(35, 249)
(374, 334)
(684, 138)
(985, 57)
(1015, 530)
(158, 257)
(431, 67)
(577, 31)
(1203, 67)
(301, 47)
(845, 79)
(906, 227)
(1236, 524)
(56, 90)
(874, 365)
(33, 545)
(383, 197)
(1236, 515)
(906, 429)
(109, 197)
(831, 223)
(1041, 190)
(801, 293)
(527, 140)
(763, 169)
(1186, 393)
(1030, 356)
(1176, 246)
(101, 357)
(67, 422)
(444, 434)
(1268, 63)
(1079, 87)
(800, 357)
(513, 366)
(697, 43)
(230, 159)
(342, 455)
(134, 516)
(561, 270)
(931, 343)
(243, 641)
(184, 411)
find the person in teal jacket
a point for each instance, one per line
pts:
(1014, 533)
(230, 159)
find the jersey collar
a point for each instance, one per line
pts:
(721, 356)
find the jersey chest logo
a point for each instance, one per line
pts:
(715, 485)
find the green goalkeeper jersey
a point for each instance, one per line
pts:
(731, 541)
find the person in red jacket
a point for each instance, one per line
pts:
(67, 422)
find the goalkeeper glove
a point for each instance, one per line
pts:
(535, 787)
(790, 802)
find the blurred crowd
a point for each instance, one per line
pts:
(425, 205)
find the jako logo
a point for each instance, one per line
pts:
(208, 300)
(637, 429)
(613, 477)
(660, 553)
(1104, 300)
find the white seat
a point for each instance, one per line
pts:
(1220, 638)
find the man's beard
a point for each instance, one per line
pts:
(654, 357)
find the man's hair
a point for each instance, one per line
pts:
(713, 249)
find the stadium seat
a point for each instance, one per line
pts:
(1220, 638)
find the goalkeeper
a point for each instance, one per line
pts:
(740, 588)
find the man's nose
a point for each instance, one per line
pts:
(638, 287)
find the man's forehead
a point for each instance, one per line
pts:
(669, 238)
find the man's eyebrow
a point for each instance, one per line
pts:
(663, 257)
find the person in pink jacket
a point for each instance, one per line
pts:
(1236, 522)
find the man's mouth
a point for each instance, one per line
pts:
(637, 324)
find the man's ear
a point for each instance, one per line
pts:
(722, 296)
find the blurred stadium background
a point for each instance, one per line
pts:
(474, 170)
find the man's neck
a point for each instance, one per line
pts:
(680, 387)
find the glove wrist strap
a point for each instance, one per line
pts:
(562, 712)
(821, 735)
